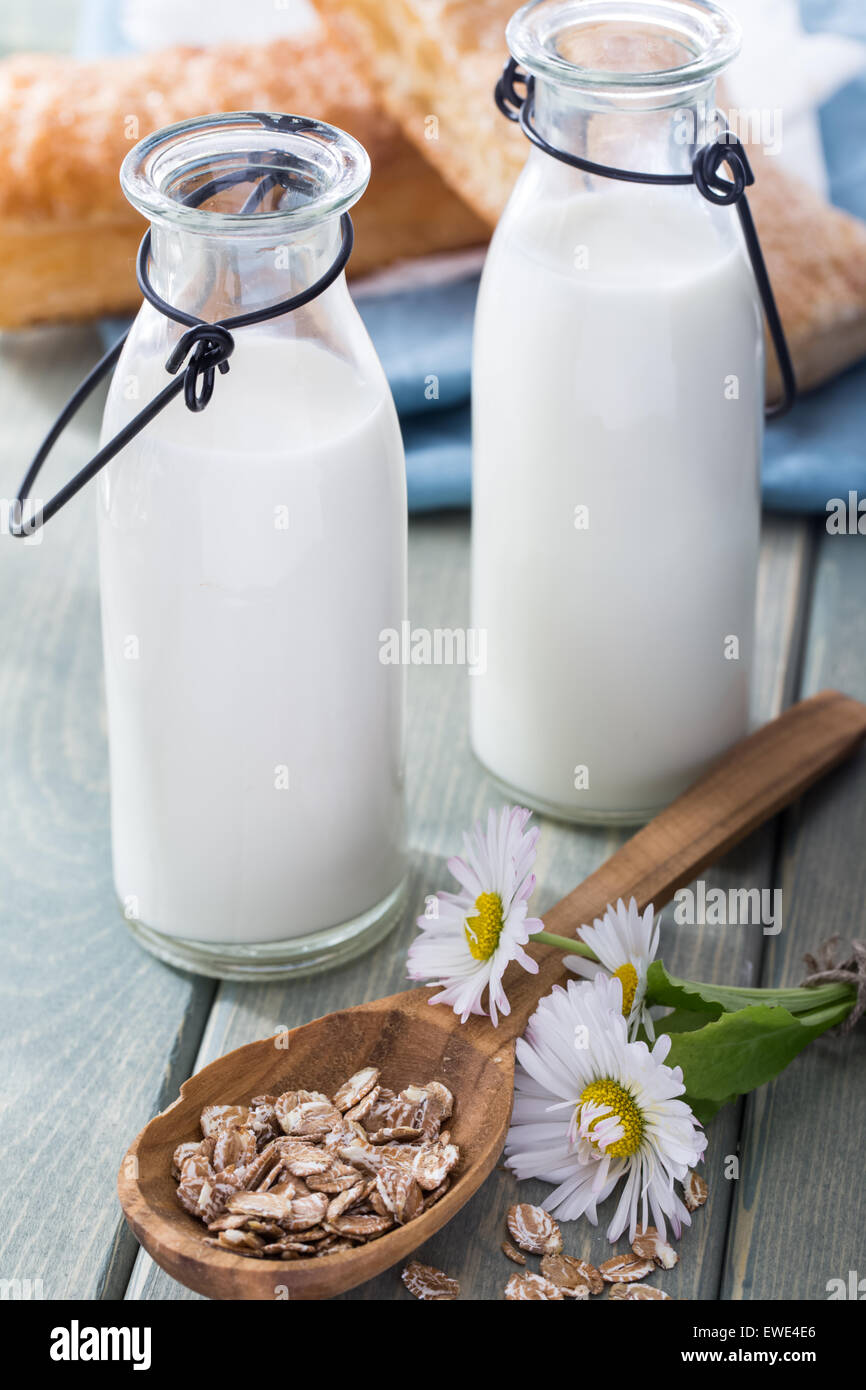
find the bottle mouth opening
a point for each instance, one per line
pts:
(624, 45)
(248, 173)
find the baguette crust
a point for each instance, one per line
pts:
(444, 56)
(816, 256)
(67, 235)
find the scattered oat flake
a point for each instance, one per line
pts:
(566, 1273)
(508, 1249)
(650, 1246)
(534, 1229)
(591, 1275)
(635, 1293)
(694, 1190)
(625, 1269)
(532, 1286)
(429, 1284)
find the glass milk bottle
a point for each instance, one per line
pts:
(250, 556)
(617, 427)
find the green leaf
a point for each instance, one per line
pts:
(739, 1051)
(681, 1021)
(663, 988)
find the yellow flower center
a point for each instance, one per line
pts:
(483, 932)
(618, 1100)
(627, 976)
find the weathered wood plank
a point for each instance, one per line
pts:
(800, 1209)
(95, 1034)
(447, 790)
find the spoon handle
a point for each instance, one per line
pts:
(748, 785)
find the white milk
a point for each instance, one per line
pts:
(609, 328)
(249, 561)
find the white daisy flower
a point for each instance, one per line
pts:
(625, 942)
(466, 944)
(592, 1110)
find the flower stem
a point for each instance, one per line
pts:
(827, 1017)
(565, 943)
(797, 1000)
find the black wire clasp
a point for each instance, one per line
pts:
(705, 174)
(203, 350)
(209, 346)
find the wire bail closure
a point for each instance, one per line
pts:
(203, 350)
(707, 178)
(210, 346)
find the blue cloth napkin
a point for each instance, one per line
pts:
(424, 336)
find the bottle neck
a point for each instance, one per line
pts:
(624, 132)
(215, 277)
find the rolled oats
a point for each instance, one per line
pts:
(634, 1293)
(514, 1255)
(301, 1159)
(235, 1146)
(311, 1118)
(306, 1212)
(361, 1225)
(433, 1197)
(216, 1193)
(591, 1275)
(345, 1199)
(429, 1284)
(625, 1269)
(236, 1239)
(302, 1174)
(567, 1274)
(650, 1245)
(395, 1134)
(354, 1090)
(400, 1193)
(694, 1190)
(180, 1155)
(217, 1117)
(534, 1229)
(275, 1205)
(364, 1107)
(532, 1286)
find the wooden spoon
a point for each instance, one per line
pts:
(411, 1042)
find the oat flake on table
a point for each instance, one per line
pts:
(429, 1284)
(534, 1229)
(532, 1287)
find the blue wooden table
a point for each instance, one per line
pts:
(97, 1036)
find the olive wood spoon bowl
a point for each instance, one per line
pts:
(411, 1042)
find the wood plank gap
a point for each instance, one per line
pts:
(117, 1268)
(789, 689)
